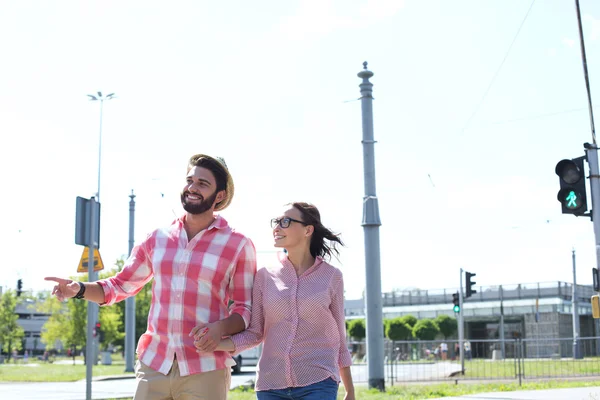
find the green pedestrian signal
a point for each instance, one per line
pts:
(573, 201)
(456, 301)
(572, 195)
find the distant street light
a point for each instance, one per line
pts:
(100, 98)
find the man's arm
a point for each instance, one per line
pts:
(127, 282)
(67, 288)
(242, 282)
(240, 292)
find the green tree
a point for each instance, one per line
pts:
(111, 323)
(76, 334)
(11, 334)
(356, 329)
(397, 329)
(448, 325)
(426, 329)
(56, 327)
(67, 323)
(410, 320)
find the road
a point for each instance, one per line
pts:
(102, 389)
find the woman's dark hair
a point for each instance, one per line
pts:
(323, 241)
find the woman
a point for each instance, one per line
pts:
(298, 314)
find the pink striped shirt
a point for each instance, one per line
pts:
(301, 320)
(193, 283)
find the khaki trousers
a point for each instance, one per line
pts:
(152, 385)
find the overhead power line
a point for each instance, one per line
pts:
(498, 70)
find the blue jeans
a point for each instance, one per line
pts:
(324, 390)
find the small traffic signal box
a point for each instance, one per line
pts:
(456, 301)
(572, 194)
(470, 283)
(596, 306)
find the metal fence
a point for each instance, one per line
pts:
(517, 359)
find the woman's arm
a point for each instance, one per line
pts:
(246, 339)
(225, 345)
(346, 376)
(344, 359)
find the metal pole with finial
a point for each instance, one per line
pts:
(371, 224)
(130, 301)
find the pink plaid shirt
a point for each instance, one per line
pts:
(301, 320)
(193, 283)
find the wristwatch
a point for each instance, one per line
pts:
(81, 292)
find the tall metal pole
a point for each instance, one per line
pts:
(502, 339)
(371, 224)
(591, 149)
(461, 326)
(101, 98)
(92, 308)
(100, 149)
(585, 71)
(574, 304)
(130, 301)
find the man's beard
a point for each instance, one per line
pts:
(201, 207)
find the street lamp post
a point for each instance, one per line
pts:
(99, 97)
(371, 223)
(92, 308)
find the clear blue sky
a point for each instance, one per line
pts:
(465, 175)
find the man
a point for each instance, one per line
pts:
(199, 265)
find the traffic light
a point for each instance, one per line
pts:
(595, 300)
(470, 284)
(456, 301)
(98, 332)
(572, 194)
(19, 287)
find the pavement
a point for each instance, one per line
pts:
(587, 393)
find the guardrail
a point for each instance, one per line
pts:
(515, 359)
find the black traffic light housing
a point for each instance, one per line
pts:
(98, 332)
(470, 284)
(572, 194)
(19, 287)
(456, 301)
